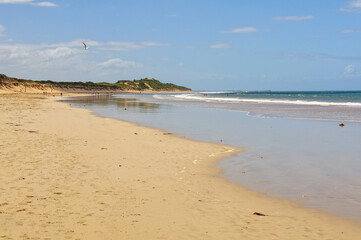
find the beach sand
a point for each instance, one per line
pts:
(68, 174)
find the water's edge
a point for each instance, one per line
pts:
(246, 169)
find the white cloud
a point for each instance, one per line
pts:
(119, 46)
(45, 4)
(77, 43)
(42, 61)
(349, 69)
(111, 45)
(241, 30)
(118, 63)
(353, 6)
(220, 45)
(293, 18)
(66, 61)
(122, 46)
(58, 53)
(155, 44)
(2, 29)
(15, 1)
(350, 31)
(116, 67)
(29, 54)
(32, 2)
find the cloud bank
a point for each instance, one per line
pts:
(220, 45)
(353, 6)
(67, 61)
(241, 30)
(350, 31)
(118, 63)
(31, 2)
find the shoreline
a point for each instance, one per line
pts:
(104, 178)
(260, 175)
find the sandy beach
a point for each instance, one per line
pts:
(68, 174)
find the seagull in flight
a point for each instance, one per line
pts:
(85, 46)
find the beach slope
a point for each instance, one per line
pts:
(67, 174)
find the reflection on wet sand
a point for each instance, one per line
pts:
(131, 104)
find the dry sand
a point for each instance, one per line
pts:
(67, 174)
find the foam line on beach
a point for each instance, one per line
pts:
(271, 101)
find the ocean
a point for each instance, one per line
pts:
(294, 145)
(332, 105)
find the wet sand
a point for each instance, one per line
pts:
(67, 174)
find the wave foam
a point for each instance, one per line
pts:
(245, 100)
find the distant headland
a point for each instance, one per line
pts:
(142, 85)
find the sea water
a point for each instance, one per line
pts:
(295, 148)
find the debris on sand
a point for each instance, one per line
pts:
(259, 214)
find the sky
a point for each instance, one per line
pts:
(201, 44)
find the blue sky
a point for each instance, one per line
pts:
(213, 45)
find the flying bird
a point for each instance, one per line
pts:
(85, 46)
